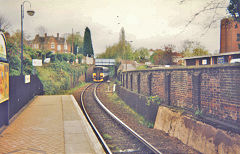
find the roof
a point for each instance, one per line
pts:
(215, 55)
(43, 39)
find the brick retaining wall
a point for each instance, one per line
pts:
(215, 90)
(138, 103)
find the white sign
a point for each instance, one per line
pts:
(37, 62)
(47, 60)
(27, 78)
(204, 61)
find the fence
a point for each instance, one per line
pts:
(20, 93)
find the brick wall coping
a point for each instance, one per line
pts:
(188, 67)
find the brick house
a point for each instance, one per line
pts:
(54, 44)
(230, 36)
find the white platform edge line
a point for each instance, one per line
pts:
(94, 141)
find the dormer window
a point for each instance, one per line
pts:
(52, 45)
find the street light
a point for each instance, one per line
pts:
(30, 13)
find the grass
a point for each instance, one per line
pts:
(115, 99)
(107, 137)
(71, 91)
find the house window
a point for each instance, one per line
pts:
(238, 37)
(238, 46)
(59, 47)
(35, 46)
(52, 45)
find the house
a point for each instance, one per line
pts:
(54, 44)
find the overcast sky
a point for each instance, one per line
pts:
(148, 23)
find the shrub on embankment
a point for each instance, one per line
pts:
(59, 76)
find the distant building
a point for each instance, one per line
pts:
(229, 46)
(54, 44)
(177, 58)
(230, 36)
(222, 58)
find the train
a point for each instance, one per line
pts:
(100, 74)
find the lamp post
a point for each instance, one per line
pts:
(30, 13)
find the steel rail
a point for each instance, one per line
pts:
(99, 136)
(124, 125)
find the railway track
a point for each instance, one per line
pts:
(115, 136)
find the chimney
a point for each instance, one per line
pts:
(45, 35)
(57, 35)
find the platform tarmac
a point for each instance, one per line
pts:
(50, 124)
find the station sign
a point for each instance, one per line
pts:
(4, 71)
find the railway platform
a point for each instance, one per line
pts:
(50, 124)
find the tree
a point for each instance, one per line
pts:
(193, 48)
(41, 30)
(4, 24)
(141, 55)
(120, 50)
(213, 7)
(77, 42)
(87, 45)
(163, 56)
(122, 43)
(234, 9)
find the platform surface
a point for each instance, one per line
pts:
(50, 124)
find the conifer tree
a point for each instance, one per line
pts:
(87, 46)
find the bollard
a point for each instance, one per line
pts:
(108, 82)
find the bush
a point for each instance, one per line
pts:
(154, 99)
(14, 65)
(142, 67)
(59, 76)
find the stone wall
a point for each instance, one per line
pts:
(215, 90)
(196, 134)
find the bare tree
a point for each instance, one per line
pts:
(211, 6)
(41, 30)
(4, 23)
